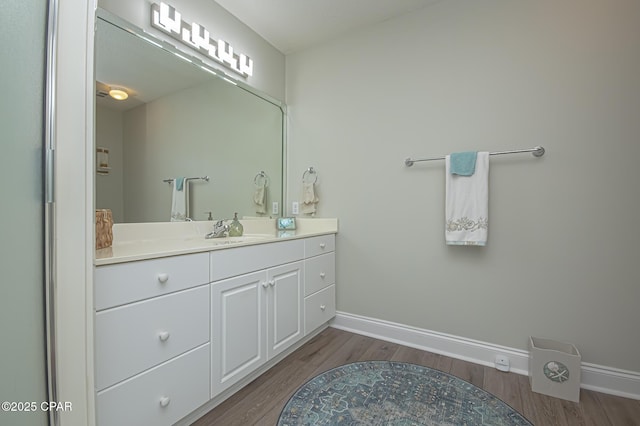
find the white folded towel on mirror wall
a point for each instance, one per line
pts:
(179, 200)
(260, 198)
(467, 204)
(309, 198)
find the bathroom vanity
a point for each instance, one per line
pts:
(183, 323)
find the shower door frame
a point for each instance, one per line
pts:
(69, 224)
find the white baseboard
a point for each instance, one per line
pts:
(594, 377)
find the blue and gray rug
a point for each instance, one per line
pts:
(394, 393)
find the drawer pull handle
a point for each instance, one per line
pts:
(322, 245)
(322, 275)
(323, 307)
(265, 284)
(272, 283)
(164, 401)
(163, 278)
(164, 336)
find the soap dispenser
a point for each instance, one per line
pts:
(235, 228)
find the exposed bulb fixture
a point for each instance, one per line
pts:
(118, 94)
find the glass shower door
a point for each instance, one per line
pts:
(23, 371)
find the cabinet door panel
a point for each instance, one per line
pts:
(238, 328)
(284, 306)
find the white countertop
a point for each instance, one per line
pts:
(142, 241)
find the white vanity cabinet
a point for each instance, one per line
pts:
(257, 312)
(173, 335)
(152, 340)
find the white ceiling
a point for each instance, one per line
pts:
(291, 25)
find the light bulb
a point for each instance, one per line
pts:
(118, 94)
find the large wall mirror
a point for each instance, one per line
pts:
(179, 120)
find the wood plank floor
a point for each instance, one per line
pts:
(260, 402)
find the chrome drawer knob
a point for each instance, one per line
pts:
(322, 275)
(322, 245)
(164, 401)
(163, 278)
(164, 336)
(323, 307)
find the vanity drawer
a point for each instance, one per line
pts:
(129, 282)
(319, 272)
(319, 245)
(160, 396)
(131, 338)
(241, 260)
(319, 308)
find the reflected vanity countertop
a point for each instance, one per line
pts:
(141, 241)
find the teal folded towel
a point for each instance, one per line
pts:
(180, 183)
(463, 163)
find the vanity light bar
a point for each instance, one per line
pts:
(168, 20)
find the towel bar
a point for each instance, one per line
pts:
(537, 151)
(204, 178)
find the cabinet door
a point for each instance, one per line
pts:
(237, 329)
(284, 307)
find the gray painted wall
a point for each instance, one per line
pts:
(562, 257)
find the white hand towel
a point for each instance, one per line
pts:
(309, 198)
(179, 200)
(260, 199)
(467, 204)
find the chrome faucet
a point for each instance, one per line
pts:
(219, 230)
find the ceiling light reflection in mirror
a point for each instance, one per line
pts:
(118, 94)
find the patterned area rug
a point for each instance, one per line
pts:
(394, 393)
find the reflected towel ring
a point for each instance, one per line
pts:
(261, 180)
(307, 173)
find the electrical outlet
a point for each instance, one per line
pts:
(274, 208)
(502, 363)
(295, 208)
